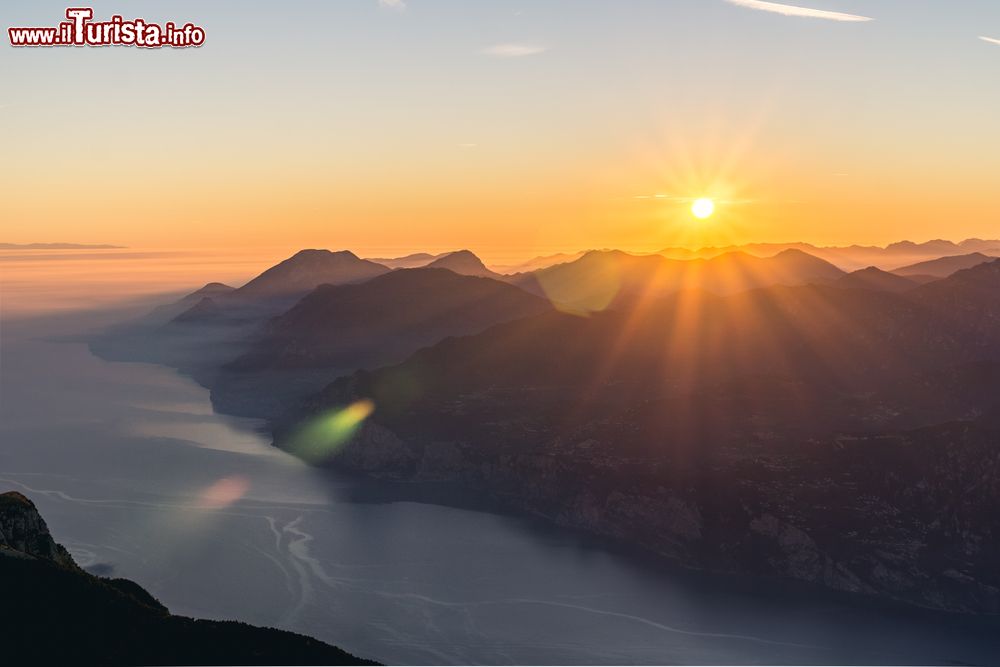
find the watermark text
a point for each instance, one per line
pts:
(81, 30)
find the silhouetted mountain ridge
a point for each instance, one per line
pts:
(306, 270)
(942, 267)
(385, 319)
(613, 278)
(874, 278)
(854, 257)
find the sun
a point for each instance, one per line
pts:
(703, 208)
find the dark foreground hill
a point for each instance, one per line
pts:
(841, 436)
(52, 613)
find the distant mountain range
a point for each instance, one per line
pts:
(602, 279)
(847, 258)
(53, 612)
(414, 261)
(58, 246)
(768, 414)
(942, 267)
(852, 258)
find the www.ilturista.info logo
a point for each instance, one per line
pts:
(79, 30)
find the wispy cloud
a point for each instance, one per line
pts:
(392, 4)
(514, 50)
(991, 40)
(792, 10)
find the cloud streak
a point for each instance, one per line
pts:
(792, 10)
(392, 4)
(991, 40)
(514, 50)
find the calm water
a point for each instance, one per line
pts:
(138, 478)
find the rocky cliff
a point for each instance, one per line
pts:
(908, 516)
(22, 530)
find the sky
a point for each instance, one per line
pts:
(508, 126)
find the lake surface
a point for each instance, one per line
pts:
(140, 479)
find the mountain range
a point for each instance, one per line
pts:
(337, 329)
(603, 279)
(772, 415)
(783, 431)
(942, 267)
(849, 258)
(59, 246)
(852, 258)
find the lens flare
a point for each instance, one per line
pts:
(225, 492)
(321, 438)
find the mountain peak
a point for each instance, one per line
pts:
(23, 530)
(321, 254)
(874, 278)
(463, 262)
(795, 252)
(306, 270)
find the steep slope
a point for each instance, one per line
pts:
(875, 279)
(943, 267)
(52, 612)
(384, 320)
(23, 530)
(967, 302)
(336, 330)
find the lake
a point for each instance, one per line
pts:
(139, 478)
